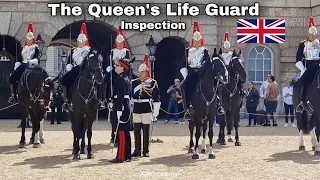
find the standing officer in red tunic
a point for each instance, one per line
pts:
(146, 107)
(123, 111)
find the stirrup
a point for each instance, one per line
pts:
(300, 107)
(187, 115)
(66, 107)
(220, 110)
(101, 105)
(12, 99)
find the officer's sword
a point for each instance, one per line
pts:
(111, 83)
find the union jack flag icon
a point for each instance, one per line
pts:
(261, 31)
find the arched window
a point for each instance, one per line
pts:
(260, 63)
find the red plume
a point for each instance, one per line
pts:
(30, 29)
(311, 22)
(147, 62)
(196, 27)
(84, 31)
(226, 36)
(121, 33)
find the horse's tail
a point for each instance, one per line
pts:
(305, 122)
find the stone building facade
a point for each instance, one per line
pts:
(16, 14)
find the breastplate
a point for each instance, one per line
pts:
(227, 58)
(28, 52)
(79, 54)
(310, 50)
(195, 56)
(119, 54)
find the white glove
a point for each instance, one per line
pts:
(69, 67)
(156, 109)
(119, 114)
(33, 62)
(16, 65)
(184, 72)
(301, 67)
(109, 68)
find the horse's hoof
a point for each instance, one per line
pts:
(31, 141)
(230, 140)
(313, 148)
(218, 141)
(82, 151)
(237, 143)
(302, 148)
(191, 150)
(203, 151)
(76, 157)
(36, 145)
(223, 143)
(42, 141)
(90, 156)
(195, 156)
(317, 153)
(212, 156)
(22, 145)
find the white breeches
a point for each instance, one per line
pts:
(144, 118)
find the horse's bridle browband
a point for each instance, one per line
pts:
(237, 81)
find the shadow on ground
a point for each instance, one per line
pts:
(180, 160)
(11, 149)
(96, 148)
(300, 157)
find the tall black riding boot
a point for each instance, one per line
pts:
(67, 100)
(137, 139)
(146, 135)
(185, 101)
(13, 99)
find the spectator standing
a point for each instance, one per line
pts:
(252, 101)
(272, 101)
(263, 91)
(173, 91)
(57, 102)
(288, 103)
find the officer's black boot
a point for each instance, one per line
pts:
(137, 139)
(146, 134)
(67, 102)
(13, 99)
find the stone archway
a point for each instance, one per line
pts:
(10, 48)
(169, 58)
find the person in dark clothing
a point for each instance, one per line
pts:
(252, 101)
(57, 102)
(173, 90)
(123, 109)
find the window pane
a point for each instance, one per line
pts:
(260, 49)
(252, 53)
(251, 65)
(267, 64)
(259, 76)
(267, 53)
(251, 76)
(260, 56)
(259, 65)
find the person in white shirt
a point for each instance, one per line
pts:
(288, 104)
(263, 91)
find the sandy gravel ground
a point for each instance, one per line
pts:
(266, 153)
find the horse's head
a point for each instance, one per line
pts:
(47, 90)
(236, 67)
(93, 68)
(221, 72)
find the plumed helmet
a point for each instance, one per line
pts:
(83, 36)
(226, 43)
(30, 34)
(312, 29)
(196, 35)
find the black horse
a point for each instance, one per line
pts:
(34, 91)
(85, 104)
(231, 98)
(204, 102)
(304, 123)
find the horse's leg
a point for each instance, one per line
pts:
(83, 145)
(36, 124)
(210, 135)
(204, 130)
(317, 131)
(22, 143)
(41, 132)
(191, 129)
(89, 135)
(76, 135)
(236, 127)
(301, 141)
(222, 128)
(32, 135)
(198, 124)
(230, 120)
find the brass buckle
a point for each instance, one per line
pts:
(139, 100)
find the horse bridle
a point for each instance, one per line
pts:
(236, 80)
(92, 80)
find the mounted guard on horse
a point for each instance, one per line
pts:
(30, 57)
(307, 61)
(195, 56)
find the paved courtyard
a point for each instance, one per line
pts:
(266, 153)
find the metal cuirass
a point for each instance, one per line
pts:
(195, 56)
(28, 52)
(310, 49)
(119, 54)
(227, 58)
(79, 54)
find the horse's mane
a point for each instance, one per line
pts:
(204, 67)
